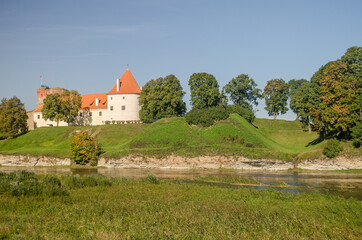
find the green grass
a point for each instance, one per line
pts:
(278, 139)
(141, 209)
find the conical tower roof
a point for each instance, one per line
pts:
(127, 84)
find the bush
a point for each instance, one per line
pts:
(246, 113)
(24, 183)
(152, 179)
(206, 116)
(332, 149)
(356, 133)
(84, 149)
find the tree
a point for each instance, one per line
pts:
(243, 91)
(71, 103)
(294, 85)
(84, 149)
(62, 107)
(204, 90)
(13, 118)
(52, 108)
(339, 106)
(276, 97)
(302, 101)
(160, 98)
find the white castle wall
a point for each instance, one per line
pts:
(125, 107)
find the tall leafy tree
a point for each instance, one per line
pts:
(13, 118)
(353, 59)
(204, 91)
(62, 107)
(243, 91)
(52, 108)
(160, 98)
(294, 85)
(302, 102)
(339, 100)
(276, 97)
(71, 103)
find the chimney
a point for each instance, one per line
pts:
(97, 102)
(117, 84)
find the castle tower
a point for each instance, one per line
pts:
(44, 91)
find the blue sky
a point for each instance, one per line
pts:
(85, 44)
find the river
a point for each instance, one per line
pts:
(326, 182)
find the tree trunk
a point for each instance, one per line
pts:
(275, 115)
(297, 118)
(309, 128)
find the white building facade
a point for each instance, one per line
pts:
(119, 105)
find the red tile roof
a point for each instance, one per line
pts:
(127, 84)
(88, 101)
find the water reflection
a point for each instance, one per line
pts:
(345, 184)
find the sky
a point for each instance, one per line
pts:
(85, 45)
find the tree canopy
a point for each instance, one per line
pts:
(339, 100)
(62, 107)
(204, 90)
(243, 91)
(276, 97)
(160, 98)
(13, 118)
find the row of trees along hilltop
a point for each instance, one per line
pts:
(329, 103)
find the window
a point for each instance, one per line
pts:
(38, 116)
(124, 97)
(111, 108)
(81, 114)
(123, 107)
(100, 113)
(111, 98)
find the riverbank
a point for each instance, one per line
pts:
(181, 162)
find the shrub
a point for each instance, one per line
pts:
(356, 133)
(152, 179)
(332, 149)
(206, 116)
(84, 149)
(246, 113)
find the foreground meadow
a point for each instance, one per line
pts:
(97, 207)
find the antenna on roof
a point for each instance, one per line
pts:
(127, 66)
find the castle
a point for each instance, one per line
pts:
(119, 105)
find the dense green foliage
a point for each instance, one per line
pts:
(243, 91)
(84, 149)
(161, 98)
(303, 101)
(204, 90)
(339, 106)
(356, 133)
(177, 209)
(12, 118)
(332, 149)
(206, 116)
(246, 113)
(276, 97)
(62, 107)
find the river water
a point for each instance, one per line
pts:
(344, 184)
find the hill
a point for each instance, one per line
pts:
(233, 136)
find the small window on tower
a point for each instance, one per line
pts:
(100, 113)
(123, 107)
(38, 116)
(111, 108)
(124, 97)
(81, 114)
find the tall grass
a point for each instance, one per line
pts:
(138, 209)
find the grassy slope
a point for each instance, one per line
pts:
(271, 138)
